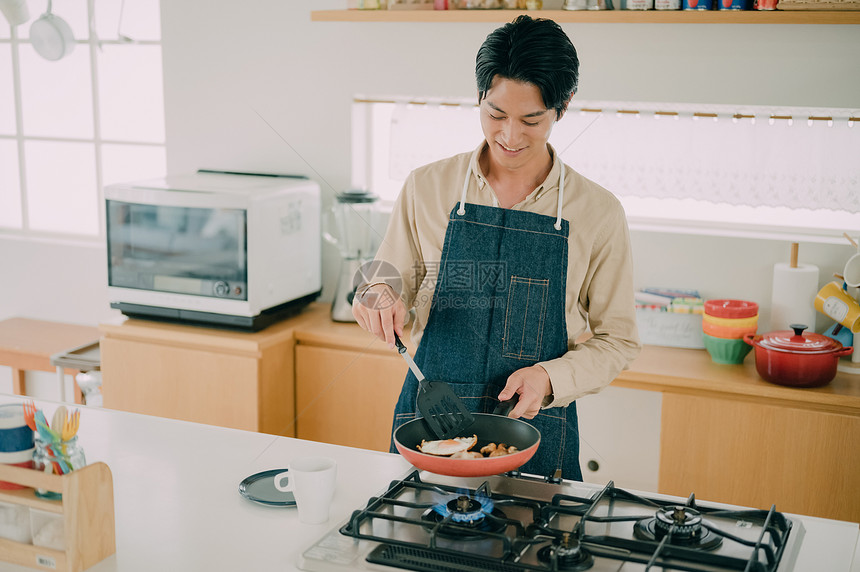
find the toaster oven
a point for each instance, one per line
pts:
(224, 249)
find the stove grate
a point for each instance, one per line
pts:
(448, 546)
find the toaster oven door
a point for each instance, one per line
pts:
(182, 250)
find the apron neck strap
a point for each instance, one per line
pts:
(557, 224)
(462, 210)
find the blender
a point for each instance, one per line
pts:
(350, 226)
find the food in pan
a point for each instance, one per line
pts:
(460, 448)
(467, 455)
(447, 447)
(502, 449)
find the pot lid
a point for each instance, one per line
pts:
(798, 342)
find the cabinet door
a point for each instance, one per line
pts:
(216, 388)
(619, 436)
(756, 455)
(346, 397)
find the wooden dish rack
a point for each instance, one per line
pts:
(87, 512)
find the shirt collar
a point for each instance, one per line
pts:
(549, 184)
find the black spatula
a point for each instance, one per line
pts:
(444, 412)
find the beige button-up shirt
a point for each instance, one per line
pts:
(599, 267)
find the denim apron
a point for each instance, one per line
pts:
(499, 306)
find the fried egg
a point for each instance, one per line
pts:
(447, 447)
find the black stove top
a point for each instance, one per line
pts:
(522, 523)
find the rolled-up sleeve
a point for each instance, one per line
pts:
(606, 300)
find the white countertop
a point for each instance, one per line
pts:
(177, 504)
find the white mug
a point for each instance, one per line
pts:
(312, 482)
(851, 274)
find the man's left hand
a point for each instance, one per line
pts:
(533, 385)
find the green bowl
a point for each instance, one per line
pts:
(724, 350)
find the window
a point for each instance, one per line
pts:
(715, 169)
(71, 126)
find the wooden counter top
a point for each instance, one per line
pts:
(657, 368)
(224, 339)
(689, 371)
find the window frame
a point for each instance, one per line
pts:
(92, 43)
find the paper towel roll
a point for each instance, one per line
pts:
(792, 300)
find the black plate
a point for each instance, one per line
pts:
(260, 488)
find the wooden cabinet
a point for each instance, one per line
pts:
(754, 454)
(347, 383)
(729, 436)
(234, 379)
(346, 397)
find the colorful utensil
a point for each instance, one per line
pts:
(70, 425)
(30, 414)
(59, 419)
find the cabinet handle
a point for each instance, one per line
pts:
(593, 465)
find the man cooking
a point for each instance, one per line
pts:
(507, 256)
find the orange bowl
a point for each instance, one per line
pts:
(731, 322)
(727, 332)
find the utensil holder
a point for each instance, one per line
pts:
(86, 509)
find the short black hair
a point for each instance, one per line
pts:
(535, 51)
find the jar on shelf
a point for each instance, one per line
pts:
(575, 5)
(372, 4)
(57, 459)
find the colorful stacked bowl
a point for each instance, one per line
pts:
(724, 325)
(16, 441)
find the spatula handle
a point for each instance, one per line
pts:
(412, 365)
(400, 347)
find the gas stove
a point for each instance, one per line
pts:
(523, 523)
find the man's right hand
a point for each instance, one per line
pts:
(380, 310)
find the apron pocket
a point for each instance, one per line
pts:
(524, 318)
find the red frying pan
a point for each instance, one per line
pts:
(489, 428)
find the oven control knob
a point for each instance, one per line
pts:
(222, 288)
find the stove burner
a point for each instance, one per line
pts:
(467, 511)
(685, 524)
(569, 554)
(687, 521)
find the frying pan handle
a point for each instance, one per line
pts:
(506, 406)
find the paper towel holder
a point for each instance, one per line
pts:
(794, 289)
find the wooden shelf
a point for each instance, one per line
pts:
(596, 16)
(86, 512)
(27, 497)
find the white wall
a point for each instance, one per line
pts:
(257, 85)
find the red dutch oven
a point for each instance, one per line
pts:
(796, 359)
